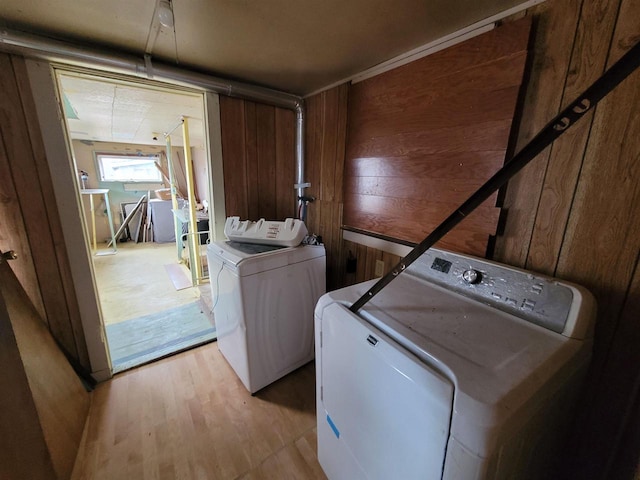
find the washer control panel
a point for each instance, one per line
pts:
(540, 300)
(284, 234)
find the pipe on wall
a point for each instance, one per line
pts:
(35, 46)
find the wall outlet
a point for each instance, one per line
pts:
(379, 268)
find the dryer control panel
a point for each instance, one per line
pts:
(545, 301)
(289, 233)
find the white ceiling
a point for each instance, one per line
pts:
(297, 46)
(115, 111)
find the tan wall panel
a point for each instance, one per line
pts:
(27, 181)
(61, 402)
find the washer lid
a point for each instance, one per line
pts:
(249, 259)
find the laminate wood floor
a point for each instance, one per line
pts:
(190, 417)
(134, 282)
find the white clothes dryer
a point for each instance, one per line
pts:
(460, 368)
(263, 298)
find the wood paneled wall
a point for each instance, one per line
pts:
(30, 220)
(258, 150)
(325, 134)
(423, 137)
(574, 211)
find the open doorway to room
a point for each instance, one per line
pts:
(127, 142)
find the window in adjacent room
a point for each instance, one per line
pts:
(129, 168)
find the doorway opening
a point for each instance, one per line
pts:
(137, 183)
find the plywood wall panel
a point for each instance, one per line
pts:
(61, 402)
(23, 450)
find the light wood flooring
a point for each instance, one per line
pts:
(134, 282)
(189, 417)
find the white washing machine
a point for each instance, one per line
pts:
(459, 369)
(264, 297)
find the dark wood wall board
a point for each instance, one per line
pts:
(233, 152)
(325, 137)
(251, 132)
(285, 164)
(607, 203)
(555, 25)
(577, 215)
(617, 392)
(329, 214)
(465, 109)
(378, 211)
(458, 189)
(313, 132)
(449, 166)
(266, 159)
(487, 136)
(53, 216)
(587, 64)
(454, 60)
(606, 211)
(258, 151)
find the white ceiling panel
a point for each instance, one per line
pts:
(115, 111)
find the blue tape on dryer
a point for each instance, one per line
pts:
(333, 426)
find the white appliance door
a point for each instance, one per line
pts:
(383, 413)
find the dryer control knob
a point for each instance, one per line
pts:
(471, 276)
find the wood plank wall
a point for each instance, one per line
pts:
(258, 150)
(35, 232)
(325, 135)
(423, 137)
(574, 211)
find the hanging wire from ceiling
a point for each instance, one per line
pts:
(175, 37)
(163, 18)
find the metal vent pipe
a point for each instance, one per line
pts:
(35, 46)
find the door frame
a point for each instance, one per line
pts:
(42, 78)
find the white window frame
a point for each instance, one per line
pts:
(104, 174)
